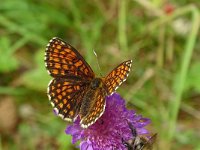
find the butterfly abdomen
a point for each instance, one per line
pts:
(90, 96)
(93, 100)
(86, 102)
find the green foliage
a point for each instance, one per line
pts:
(8, 62)
(188, 138)
(64, 141)
(193, 79)
(38, 77)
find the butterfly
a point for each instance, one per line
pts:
(139, 142)
(75, 90)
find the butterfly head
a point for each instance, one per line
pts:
(96, 83)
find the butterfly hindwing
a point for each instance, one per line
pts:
(117, 76)
(62, 60)
(97, 109)
(66, 96)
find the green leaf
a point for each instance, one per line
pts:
(64, 141)
(7, 60)
(193, 78)
(37, 78)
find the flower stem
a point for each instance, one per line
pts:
(122, 25)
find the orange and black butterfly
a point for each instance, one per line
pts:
(75, 90)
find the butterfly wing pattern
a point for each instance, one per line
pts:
(65, 96)
(71, 76)
(62, 60)
(117, 76)
(97, 110)
(71, 91)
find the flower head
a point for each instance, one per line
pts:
(107, 132)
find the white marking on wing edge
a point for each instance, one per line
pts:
(124, 79)
(49, 96)
(68, 119)
(54, 38)
(111, 93)
(61, 115)
(86, 126)
(48, 72)
(56, 111)
(49, 84)
(116, 88)
(48, 89)
(75, 117)
(52, 104)
(45, 64)
(51, 40)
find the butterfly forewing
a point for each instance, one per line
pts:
(65, 96)
(117, 76)
(62, 60)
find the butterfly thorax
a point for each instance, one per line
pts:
(96, 83)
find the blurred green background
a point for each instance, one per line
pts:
(160, 36)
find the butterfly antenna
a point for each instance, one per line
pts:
(97, 62)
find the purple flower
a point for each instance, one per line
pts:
(107, 132)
